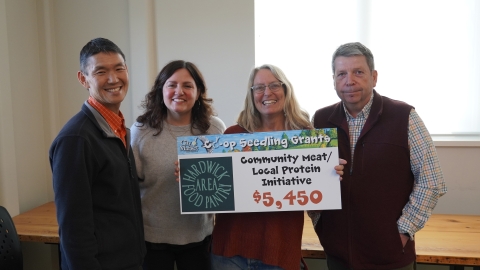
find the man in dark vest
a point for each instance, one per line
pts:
(392, 178)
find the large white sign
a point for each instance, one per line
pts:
(258, 172)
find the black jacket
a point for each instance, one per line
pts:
(96, 196)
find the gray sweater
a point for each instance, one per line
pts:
(155, 157)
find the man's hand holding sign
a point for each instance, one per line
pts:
(258, 172)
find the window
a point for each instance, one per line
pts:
(427, 53)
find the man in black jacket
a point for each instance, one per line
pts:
(94, 177)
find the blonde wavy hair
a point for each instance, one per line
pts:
(295, 117)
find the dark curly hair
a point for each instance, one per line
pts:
(154, 105)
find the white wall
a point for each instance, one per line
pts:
(460, 168)
(24, 175)
(77, 22)
(218, 37)
(8, 189)
(40, 41)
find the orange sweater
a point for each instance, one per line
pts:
(275, 238)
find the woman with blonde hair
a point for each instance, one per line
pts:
(264, 240)
(293, 117)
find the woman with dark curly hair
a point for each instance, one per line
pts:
(177, 105)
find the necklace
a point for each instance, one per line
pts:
(184, 131)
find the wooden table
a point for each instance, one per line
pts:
(446, 239)
(38, 225)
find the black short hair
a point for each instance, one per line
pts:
(94, 46)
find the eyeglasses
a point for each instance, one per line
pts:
(260, 88)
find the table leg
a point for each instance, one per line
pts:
(59, 258)
(460, 267)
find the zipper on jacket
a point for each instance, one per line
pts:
(130, 167)
(350, 234)
(363, 151)
(127, 155)
(129, 160)
(351, 158)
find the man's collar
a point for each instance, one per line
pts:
(364, 112)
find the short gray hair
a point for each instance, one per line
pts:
(353, 49)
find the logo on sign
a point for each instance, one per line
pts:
(207, 184)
